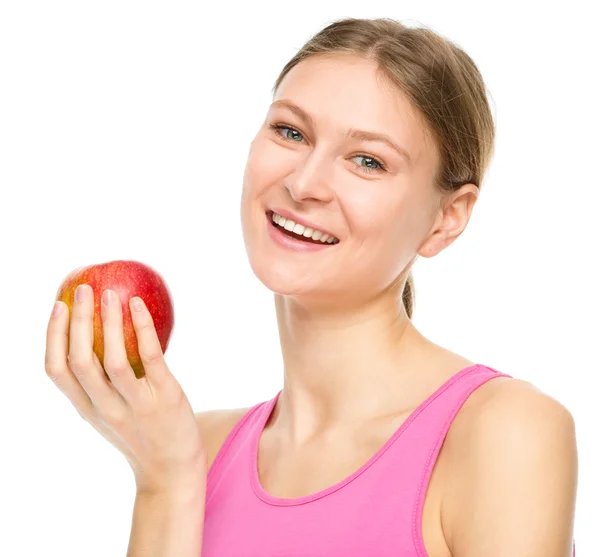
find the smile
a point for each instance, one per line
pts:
(288, 234)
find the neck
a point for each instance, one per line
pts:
(343, 368)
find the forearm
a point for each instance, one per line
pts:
(168, 524)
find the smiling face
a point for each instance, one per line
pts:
(378, 202)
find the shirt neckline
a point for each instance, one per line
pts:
(287, 501)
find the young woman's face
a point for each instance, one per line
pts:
(378, 203)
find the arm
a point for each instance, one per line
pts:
(514, 486)
(168, 524)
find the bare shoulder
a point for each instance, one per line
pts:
(215, 426)
(507, 414)
(505, 403)
(513, 461)
(498, 398)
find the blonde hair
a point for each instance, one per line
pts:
(442, 82)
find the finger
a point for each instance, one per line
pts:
(149, 346)
(57, 342)
(85, 367)
(116, 363)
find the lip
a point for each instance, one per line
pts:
(280, 238)
(300, 220)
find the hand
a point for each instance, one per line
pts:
(150, 419)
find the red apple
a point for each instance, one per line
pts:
(127, 279)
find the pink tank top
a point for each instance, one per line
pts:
(376, 511)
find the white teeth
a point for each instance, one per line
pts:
(307, 232)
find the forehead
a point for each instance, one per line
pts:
(344, 91)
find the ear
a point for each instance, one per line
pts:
(452, 219)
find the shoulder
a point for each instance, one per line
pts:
(514, 414)
(517, 411)
(514, 466)
(215, 426)
(506, 402)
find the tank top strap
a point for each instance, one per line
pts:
(430, 423)
(408, 466)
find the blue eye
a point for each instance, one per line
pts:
(284, 136)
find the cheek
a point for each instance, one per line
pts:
(257, 182)
(383, 232)
(374, 217)
(259, 171)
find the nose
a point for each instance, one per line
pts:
(311, 181)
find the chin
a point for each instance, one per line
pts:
(279, 279)
(282, 274)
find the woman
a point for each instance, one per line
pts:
(380, 442)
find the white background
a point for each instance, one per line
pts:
(124, 131)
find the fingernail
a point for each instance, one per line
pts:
(81, 293)
(107, 297)
(136, 303)
(57, 309)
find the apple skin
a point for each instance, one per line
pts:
(127, 279)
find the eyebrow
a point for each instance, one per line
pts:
(353, 133)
